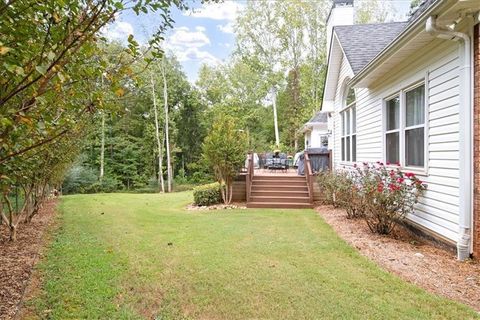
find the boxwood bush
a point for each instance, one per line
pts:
(207, 194)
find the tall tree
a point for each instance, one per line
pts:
(283, 41)
(374, 11)
(167, 127)
(157, 137)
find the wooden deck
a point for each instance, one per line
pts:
(276, 173)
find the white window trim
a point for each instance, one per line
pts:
(402, 128)
(348, 109)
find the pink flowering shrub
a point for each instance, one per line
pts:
(388, 195)
(381, 195)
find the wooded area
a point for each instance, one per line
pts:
(82, 114)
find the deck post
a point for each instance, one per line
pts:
(249, 177)
(309, 176)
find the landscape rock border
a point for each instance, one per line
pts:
(194, 207)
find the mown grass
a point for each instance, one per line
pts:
(129, 256)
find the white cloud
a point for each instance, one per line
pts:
(119, 30)
(184, 37)
(187, 45)
(227, 10)
(226, 28)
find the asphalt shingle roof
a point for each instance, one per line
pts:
(320, 117)
(362, 42)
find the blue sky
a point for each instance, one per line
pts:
(202, 35)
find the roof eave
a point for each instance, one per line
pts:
(397, 41)
(327, 103)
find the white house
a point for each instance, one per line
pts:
(317, 131)
(403, 92)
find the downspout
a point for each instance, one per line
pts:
(466, 136)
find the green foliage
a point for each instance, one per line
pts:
(382, 196)
(207, 194)
(284, 42)
(57, 74)
(373, 11)
(225, 149)
(340, 190)
(389, 195)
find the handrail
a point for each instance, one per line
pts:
(309, 176)
(250, 173)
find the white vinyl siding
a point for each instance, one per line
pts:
(438, 65)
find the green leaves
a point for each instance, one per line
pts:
(42, 69)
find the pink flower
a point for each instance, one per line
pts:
(398, 164)
(400, 180)
(354, 165)
(388, 163)
(380, 187)
(409, 175)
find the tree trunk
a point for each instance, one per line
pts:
(157, 136)
(13, 232)
(275, 121)
(167, 140)
(102, 150)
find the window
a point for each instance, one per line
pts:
(324, 141)
(348, 117)
(405, 128)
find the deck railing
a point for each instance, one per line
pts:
(250, 173)
(309, 176)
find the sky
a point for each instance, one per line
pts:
(201, 35)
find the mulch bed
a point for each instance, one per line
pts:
(18, 258)
(414, 259)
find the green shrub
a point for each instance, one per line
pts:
(341, 191)
(207, 194)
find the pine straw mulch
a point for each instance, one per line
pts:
(17, 259)
(413, 258)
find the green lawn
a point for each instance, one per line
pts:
(136, 256)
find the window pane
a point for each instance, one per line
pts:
(354, 148)
(354, 120)
(347, 124)
(414, 147)
(393, 114)
(350, 96)
(348, 149)
(343, 149)
(343, 123)
(392, 147)
(415, 106)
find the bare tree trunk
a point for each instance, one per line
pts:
(102, 150)
(167, 140)
(275, 121)
(157, 136)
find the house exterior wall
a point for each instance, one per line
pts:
(345, 74)
(315, 136)
(438, 65)
(476, 154)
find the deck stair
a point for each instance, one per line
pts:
(282, 191)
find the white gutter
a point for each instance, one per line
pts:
(464, 243)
